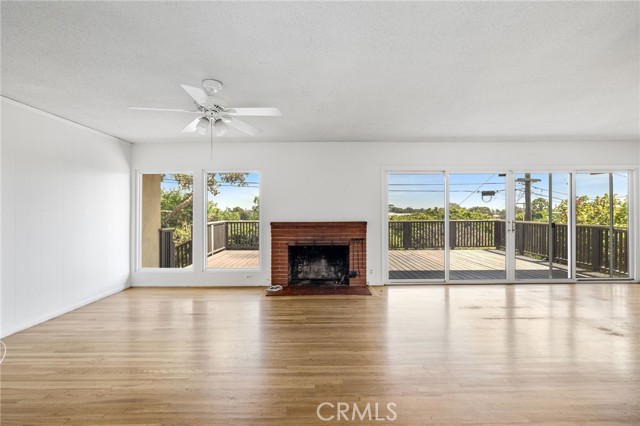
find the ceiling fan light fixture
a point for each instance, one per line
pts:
(202, 126)
(220, 127)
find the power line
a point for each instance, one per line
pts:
(442, 192)
(441, 184)
(477, 189)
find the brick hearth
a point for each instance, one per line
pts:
(284, 234)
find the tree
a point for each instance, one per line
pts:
(176, 213)
(588, 211)
(596, 211)
(484, 210)
(177, 204)
(185, 183)
(255, 209)
(539, 210)
(214, 213)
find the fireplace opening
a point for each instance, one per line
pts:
(319, 265)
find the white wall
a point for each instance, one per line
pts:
(343, 181)
(65, 216)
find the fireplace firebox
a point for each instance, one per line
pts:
(319, 264)
(316, 252)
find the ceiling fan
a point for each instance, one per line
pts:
(214, 112)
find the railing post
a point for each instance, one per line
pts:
(210, 242)
(452, 235)
(522, 236)
(167, 248)
(553, 238)
(497, 234)
(406, 235)
(596, 245)
(624, 251)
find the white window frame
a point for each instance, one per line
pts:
(204, 222)
(138, 226)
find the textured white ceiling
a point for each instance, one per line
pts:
(356, 71)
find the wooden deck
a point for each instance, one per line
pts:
(235, 259)
(428, 264)
(470, 265)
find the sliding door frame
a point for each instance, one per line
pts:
(571, 241)
(633, 222)
(385, 224)
(446, 172)
(509, 241)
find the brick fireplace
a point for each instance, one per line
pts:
(314, 238)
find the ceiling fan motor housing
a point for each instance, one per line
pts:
(211, 86)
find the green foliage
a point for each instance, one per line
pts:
(417, 214)
(596, 211)
(436, 213)
(588, 212)
(215, 214)
(457, 212)
(181, 219)
(539, 211)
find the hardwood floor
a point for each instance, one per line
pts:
(446, 355)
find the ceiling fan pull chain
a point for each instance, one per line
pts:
(211, 147)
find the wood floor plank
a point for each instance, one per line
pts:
(445, 355)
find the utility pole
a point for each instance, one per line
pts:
(528, 213)
(527, 197)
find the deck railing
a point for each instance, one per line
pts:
(184, 254)
(172, 255)
(222, 235)
(167, 248)
(233, 235)
(426, 234)
(532, 240)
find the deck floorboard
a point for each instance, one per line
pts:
(428, 265)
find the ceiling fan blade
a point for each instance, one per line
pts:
(191, 127)
(196, 93)
(243, 127)
(265, 112)
(164, 109)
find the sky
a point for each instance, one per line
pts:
(427, 190)
(231, 195)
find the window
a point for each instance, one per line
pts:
(233, 220)
(166, 220)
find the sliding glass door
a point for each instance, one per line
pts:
(416, 210)
(602, 225)
(512, 226)
(477, 229)
(541, 206)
